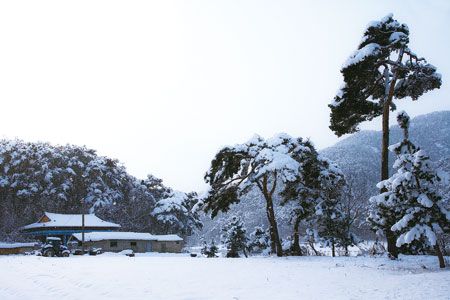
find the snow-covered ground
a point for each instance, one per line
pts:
(158, 276)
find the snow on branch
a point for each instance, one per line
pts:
(358, 56)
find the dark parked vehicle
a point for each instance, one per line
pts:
(90, 251)
(95, 251)
(53, 247)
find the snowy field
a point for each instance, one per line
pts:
(157, 276)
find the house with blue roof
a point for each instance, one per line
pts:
(64, 225)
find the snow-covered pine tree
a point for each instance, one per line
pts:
(316, 195)
(330, 223)
(303, 192)
(329, 215)
(410, 200)
(213, 249)
(257, 164)
(259, 240)
(235, 238)
(134, 210)
(210, 250)
(381, 70)
(176, 215)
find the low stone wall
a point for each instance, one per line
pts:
(7, 249)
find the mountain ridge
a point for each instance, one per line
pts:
(360, 154)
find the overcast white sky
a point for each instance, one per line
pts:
(162, 85)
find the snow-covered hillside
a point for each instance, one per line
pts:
(360, 153)
(39, 177)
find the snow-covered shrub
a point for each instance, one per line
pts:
(235, 238)
(210, 250)
(259, 241)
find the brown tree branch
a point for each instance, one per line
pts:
(275, 173)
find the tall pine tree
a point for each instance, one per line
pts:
(381, 70)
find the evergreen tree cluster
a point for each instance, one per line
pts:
(318, 197)
(310, 186)
(382, 69)
(39, 177)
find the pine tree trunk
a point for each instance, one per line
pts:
(273, 248)
(439, 255)
(333, 250)
(275, 238)
(390, 237)
(297, 249)
(385, 143)
(391, 240)
(275, 243)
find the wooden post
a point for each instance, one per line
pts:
(83, 247)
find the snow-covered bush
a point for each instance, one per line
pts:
(235, 238)
(259, 241)
(210, 250)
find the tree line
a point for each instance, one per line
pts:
(39, 177)
(408, 210)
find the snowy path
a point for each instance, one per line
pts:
(150, 276)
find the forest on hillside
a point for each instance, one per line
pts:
(39, 177)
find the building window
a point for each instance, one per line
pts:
(113, 244)
(177, 242)
(132, 244)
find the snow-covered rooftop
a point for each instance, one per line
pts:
(168, 238)
(66, 220)
(101, 236)
(15, 245)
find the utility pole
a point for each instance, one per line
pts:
(83, 247)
